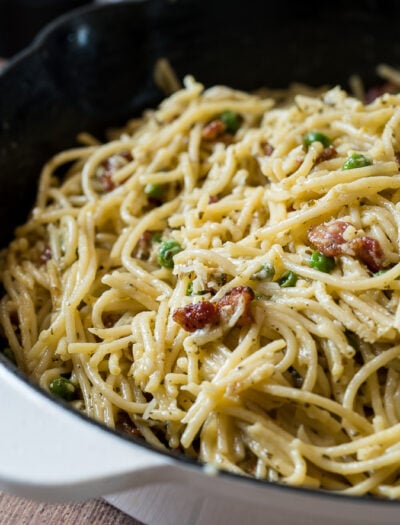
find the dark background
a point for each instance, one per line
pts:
(20, 20)
(95, 69)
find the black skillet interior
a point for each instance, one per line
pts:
(94, 68)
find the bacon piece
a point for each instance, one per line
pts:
(233, 300)
(46, 255)
(267, 148)
(329, 240)
(213, 130)
(117, 161)
(127, 155)
(378, 91)
(125, 425)
(107, 182)
(226, 138)
(143, 246)
(195, 316)
(213, 199)
(110, 319)
(369, 251)
(327, 154)
(110, 166)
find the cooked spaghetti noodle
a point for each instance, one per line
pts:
(222, 278)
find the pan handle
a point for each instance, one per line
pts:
(50, 453)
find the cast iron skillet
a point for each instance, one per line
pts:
(94, 68)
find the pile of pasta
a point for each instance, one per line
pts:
(221, 278)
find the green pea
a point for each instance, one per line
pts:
(264, 273)
(356, 160)
(381, 272)
(7, 352)
(189, 290)
(316, 136)
(288, 279)
(63, 387)
(155, 191)
(232, 120)
(166, 253)
(321, 262)
(156, 237)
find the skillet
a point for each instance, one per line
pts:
(92, 69)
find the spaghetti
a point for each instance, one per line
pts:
(222, 278)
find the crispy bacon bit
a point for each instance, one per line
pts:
(143, 247)
(327, 154)
(196, 316)
(125, 425)
(378, 91)
(127, 155)
(233, 299)
(213, 130)
(110, 319)
(213, 199)
(109, 166)
(267, 148)
(330, 240)
(107, 182)
(117, 161)
(369, 251)
(46, 255)
(226, 138)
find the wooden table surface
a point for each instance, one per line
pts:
(20, 511)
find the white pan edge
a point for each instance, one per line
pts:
(51, 454)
